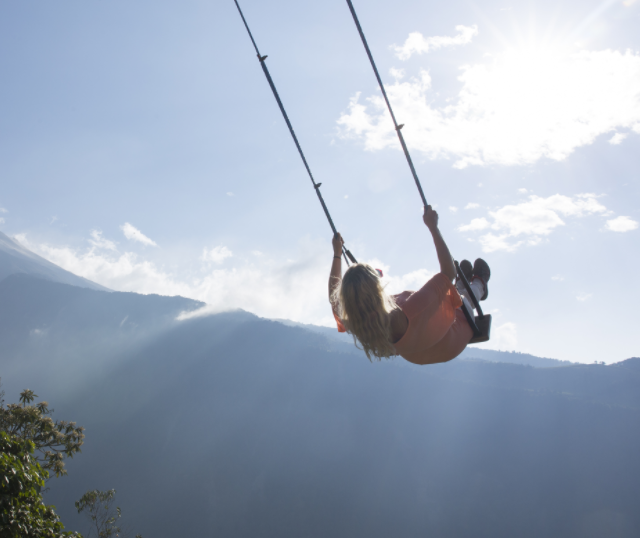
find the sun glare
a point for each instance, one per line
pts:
(513, 107)
(527, 74)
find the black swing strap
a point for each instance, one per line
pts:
(398, 129)
(347, 255)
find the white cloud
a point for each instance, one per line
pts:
(117, 271)
(621, 224)
(270, 287)
(531, 221)
(230, 194)
(584, 297)
(216, 255)
(523, 191)
(557, 278)
(412, 281)
(132, 233)
(515, 108)
(504, 337)
(474, 225)
(396, 73)
(393, 284)
(471, 205)
(416, 43)
(100, 242)
(617, 138)
(453, 209)
(491, 242)
(3, 210)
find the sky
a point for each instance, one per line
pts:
(141, 147)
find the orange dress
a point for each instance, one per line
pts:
(438, 330)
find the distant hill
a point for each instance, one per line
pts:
(53, 331)
(16, 259)
(233, 425)
(470, 353)
(512, 357)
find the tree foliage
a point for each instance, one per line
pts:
(27, 428)
(23, 514)
(98, 507)
(53, 440)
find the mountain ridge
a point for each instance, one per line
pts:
(16, 259)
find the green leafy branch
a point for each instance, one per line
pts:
(54, 440)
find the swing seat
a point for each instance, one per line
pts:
(484, 325)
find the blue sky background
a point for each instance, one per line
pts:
(141, 148)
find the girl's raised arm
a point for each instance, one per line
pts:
(336, 265)
(430, 218)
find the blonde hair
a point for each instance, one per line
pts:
(364, 307)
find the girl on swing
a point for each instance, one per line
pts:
(424, 327)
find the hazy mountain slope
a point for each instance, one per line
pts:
(470, 353)
(15, 259)
(233, 425)
(48, 329)
(615, 384)
(236, 426)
